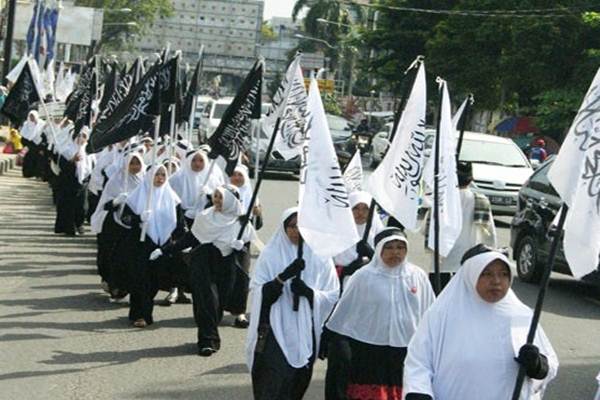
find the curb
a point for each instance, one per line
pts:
(7, 163)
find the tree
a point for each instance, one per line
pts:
(143, 13)
(267, 34)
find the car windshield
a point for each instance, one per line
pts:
(484, 152)
(219, 110)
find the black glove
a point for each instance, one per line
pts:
(292, 270)
(352, 267)
(324, 344)
(300, 288)
(535, 364)
(108, 206)
(364, 250)
(418, 396)
(242, 219)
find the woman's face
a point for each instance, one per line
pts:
(494, 282)
(291, 230)
(32, 118)
(237, 179)
(360, 213)
(393, 253)
(217, 200)
(160, 177)
(197, 163)
(135, 166)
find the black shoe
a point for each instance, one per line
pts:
(241, 322)
(183, 299)
(80, 230)
(206, 352)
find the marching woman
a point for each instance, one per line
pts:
(113, 256)
(470, 343)
(213, 262)
(31, 134)
(282, 343)
(154, 207)
(355, 257)
(239, 296)
(369, 330)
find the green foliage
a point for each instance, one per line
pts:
(143, 13)
(267, 33)
(331, 104)
(556, 109)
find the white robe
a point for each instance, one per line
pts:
(465, 347)
(292, 330)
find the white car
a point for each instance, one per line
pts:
(211, 116)
(499, 169)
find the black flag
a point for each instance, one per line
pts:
(229, 137)
(121, 91)
(110, 84)
(84, 112)
(130, 117)
(21, 97)
(192, 91)
(72, 102)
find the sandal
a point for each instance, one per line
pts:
(140, 323)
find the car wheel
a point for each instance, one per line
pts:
(528, 266)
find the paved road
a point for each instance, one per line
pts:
(60, 338)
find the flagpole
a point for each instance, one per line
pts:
(558, 234)
(298, 275)
(414, 67)
(437, 284)
(172, 136)
(463, 124)
(257, 157)
(149, 198)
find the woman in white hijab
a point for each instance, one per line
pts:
(31, 136)
(239, 297)
(360, 254)
(155, 206)
(106, 223)
(213, 261)
(471, 341)
(372, 324)
(282, 343)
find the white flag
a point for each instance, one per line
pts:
(458, 114)
(324, 216)
(353, 175)
(14, 73)
(395, 184)
(450, 210)
(575, 174)
(289, 104)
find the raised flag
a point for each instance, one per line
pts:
(324, 216)
(353, 174)
(21, 97)
(395, 184)
(575, 174)
(72, 101)
(84, 111)
(193, 90)
(228, 140)
(289, 104)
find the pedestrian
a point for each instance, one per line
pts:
(470, 343)
(283, 343)
(213, 238)
(31, 136)
(153, 205)
(361, 254)
(98, 178)
(239, 295)
(538, 151)
(366, 337)
(113, 254)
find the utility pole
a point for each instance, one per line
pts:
(10, 27)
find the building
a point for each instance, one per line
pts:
(228, 29)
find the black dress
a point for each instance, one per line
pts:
(69, 198)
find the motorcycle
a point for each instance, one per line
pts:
(361, 141)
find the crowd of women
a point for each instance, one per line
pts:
(178, 224)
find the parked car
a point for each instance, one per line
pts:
(276, 162)
(380, 142)
(531, 233)
(211, 117)
(341, 131)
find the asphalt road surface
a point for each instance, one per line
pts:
(60, 338)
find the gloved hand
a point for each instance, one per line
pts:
(324, 344)
(237, 244)
(120, 199)
(292, 270)
(155, 254)
(418, 396)
(364, 249)
(145, 217)
(300, 288)
(206, 191)
(531, 359)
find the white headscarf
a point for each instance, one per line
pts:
(69, 148)
(246, 189)
(382, 305)
(119, 183)
(293, 330)
(32, 130)
(350, 254)
(188, 184)
(105, 158)
(163, 206)
(465, 346)
(221, 228)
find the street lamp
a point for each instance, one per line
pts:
(326, 43)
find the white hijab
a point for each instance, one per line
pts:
(32, 130)
(293, 330)
(350, 254)
(246, 189)
(466, 346)
(163, 206)
(69, 148)
(119, 183)
(382, 305)
(221, 228)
